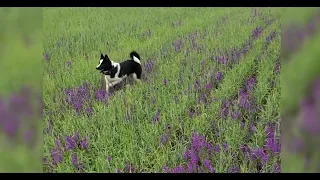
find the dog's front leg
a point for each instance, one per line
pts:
(107, 85)
(114, 83)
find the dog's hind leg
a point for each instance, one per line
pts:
(135, 77)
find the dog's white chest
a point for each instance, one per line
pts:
(109, 79)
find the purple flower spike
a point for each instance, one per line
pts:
(165, 81)
(70, 144)
(217, 148)
(46, 56)
(219, 77)
(56, 155)
(276, 168)
(208, 165)
(164, 139)
(208, 86)
(84, 144)
(225, 146)
(74, 160)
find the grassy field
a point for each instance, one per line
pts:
(209, 101)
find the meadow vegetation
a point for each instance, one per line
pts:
(209, 101)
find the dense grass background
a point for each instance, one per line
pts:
(20, 89)
(209, 101)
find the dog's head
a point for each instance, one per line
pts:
(105, 63)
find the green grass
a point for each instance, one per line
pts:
(83, 32)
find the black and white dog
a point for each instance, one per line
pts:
(116, 72)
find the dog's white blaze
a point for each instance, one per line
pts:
(136, 60)
(100, 62)
(116, 77)
(118, 72)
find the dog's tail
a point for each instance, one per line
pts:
(135, 56)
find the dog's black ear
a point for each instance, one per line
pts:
(101, 57)
(106, 57)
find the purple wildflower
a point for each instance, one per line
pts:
(277, 67)
(75, 137)
(250, 83)
(84, 144)
(209, 147)
(100, 95)
(257, 153)
(153, 99)
(225, 108)
(242, 124)
(197, 85)
(217, 148)
(270, 37)
(70, 144)
(190, 167)
(276, 168)
(164, 139)
(165, 168)
(208, 86)
(46, 56)
(236, 114)
(56, 155)
(223, 60)
(74, 160)
(252, 128)
(264, 158)
(156, 118)
(234, 169)
(225, 146)
(208, 165)
(219, 77)
(165, 81)
(109, 158)
(186, 155)
(194, 158)
(244, 99)
(178, 169)
(257, 32)
(88, 110)
(178, 45)
(58, 144)
(202, 64)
